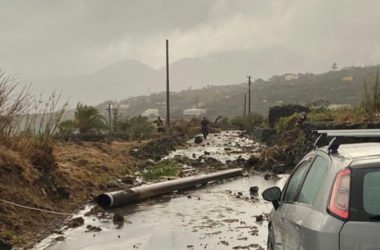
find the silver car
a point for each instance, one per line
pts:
(332, 198)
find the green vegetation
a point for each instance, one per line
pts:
(371, 97)
(12, 237)
(249, 122)
(228, 101)
(343, 115)
(138, 127)
(87, 120)
(286, 123)
(165, 168)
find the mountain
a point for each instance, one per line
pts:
(117, 81)
(128, 78)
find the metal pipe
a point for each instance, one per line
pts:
(124, 197)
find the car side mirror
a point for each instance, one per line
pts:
(273, 195)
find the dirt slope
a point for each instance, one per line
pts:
(81, 171)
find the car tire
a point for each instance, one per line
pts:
(270, 241)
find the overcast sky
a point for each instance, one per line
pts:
(42, 38)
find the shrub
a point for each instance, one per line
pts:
(249, 122)
(136, 127)
(345, 115)
(286, 123)
(277, 112)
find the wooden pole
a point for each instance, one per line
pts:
(109, 117)
(167, 87)
(245, 105)
(249, 95)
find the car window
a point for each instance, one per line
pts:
(371, 191)
(295, 181)
(313, 180)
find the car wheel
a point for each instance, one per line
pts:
(270, 245)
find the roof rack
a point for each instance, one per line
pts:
(342, 135)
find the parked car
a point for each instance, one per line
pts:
(332, 198)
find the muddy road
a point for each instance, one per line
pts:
(222, 215)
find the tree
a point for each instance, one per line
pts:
(88, 118)
(334, 66)
(371, 98)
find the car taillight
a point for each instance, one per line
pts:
(340, 195)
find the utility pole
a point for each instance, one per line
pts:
(245, 105)
(109, 117)
(167, 87)
(249, 95)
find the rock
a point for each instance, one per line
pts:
(254, 190)
(75, 222)
(113, 184)
(118, 218)
(245, 174)
(227, 149)
(128, 179)
(206, 152)
(259, 218)
(240, 193)
(198, 140)
(267, 176)
(5, 245)
(194, 155)
(91, 228)
(189, 197)
(59, 238)
(252, 161)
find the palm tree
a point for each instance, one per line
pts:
(88, 118)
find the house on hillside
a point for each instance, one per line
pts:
(194, 112)
(339, 106)
(347, 79)
(290, 77)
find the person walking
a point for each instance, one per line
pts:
(160, 124)
(204, 125)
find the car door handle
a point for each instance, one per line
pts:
(298, 224)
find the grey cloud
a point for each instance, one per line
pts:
(42, 37)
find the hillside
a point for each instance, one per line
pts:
(336, 87)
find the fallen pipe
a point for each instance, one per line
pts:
(124, 197)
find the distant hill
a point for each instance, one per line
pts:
(336, 87)
(129, 78)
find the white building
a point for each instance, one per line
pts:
(339, 106)
(290, 77)
(347, 79)
(194, 112)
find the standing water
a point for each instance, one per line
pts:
(218, 216)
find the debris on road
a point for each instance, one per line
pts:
(75, 222)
